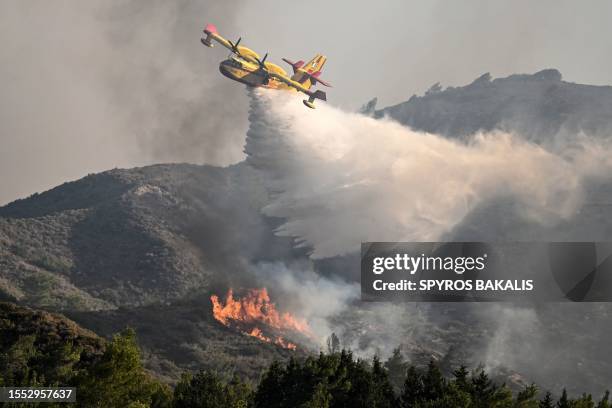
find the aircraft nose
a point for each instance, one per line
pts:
(223, 68)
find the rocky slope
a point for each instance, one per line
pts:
(537, 106)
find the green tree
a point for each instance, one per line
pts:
(208, 390)
(321, 398)
(118, 378)
(604, 403)
(585, 401)
(383, 389)
(564, 401)
(412, 393)
(396, 368)
(547, 401)
(453, 398)
(332, 380)
(483, 391)
(270, 391)
(16, 362)
(434, 384)
(462, 379)
(527, 397)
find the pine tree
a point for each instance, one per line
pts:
(396, 368)
(564, 402)
(321, 398)
(585, 401)
(412, 392)
(204, 390)
(270, 391)
(453, 398)
(362, 393)
(527, 397)
(604, 403)
(483, 390)
(461, 379)
(385, 396)
(239, 394)
(547, 401)
(433, 382)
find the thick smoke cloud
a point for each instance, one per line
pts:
(341, 178)
(88, 86)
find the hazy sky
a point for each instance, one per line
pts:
(88, 86)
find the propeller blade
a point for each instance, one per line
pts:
(235, 45)
(263, 61)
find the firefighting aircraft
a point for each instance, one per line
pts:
(244, 65)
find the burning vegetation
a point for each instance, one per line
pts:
(256, 315)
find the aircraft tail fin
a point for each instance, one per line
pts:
(315, 64)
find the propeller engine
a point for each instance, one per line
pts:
(263, 70)
(235, 45)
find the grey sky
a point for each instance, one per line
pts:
(88, 86)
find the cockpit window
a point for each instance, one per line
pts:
(232, 62)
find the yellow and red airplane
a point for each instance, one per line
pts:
(244, 65)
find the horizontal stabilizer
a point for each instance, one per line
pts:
(315, 78)
(294, 65)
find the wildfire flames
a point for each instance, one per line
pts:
(256, 310)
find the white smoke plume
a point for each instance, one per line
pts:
(340, 178)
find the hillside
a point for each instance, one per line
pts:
(538, 106)
(38, 343)
(134, 237)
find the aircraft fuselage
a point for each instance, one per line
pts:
(249, 74)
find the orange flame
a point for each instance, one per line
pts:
(278, 340)
(256, 308)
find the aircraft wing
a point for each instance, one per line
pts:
(289, 82)
(212, 34)
(318, 94)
